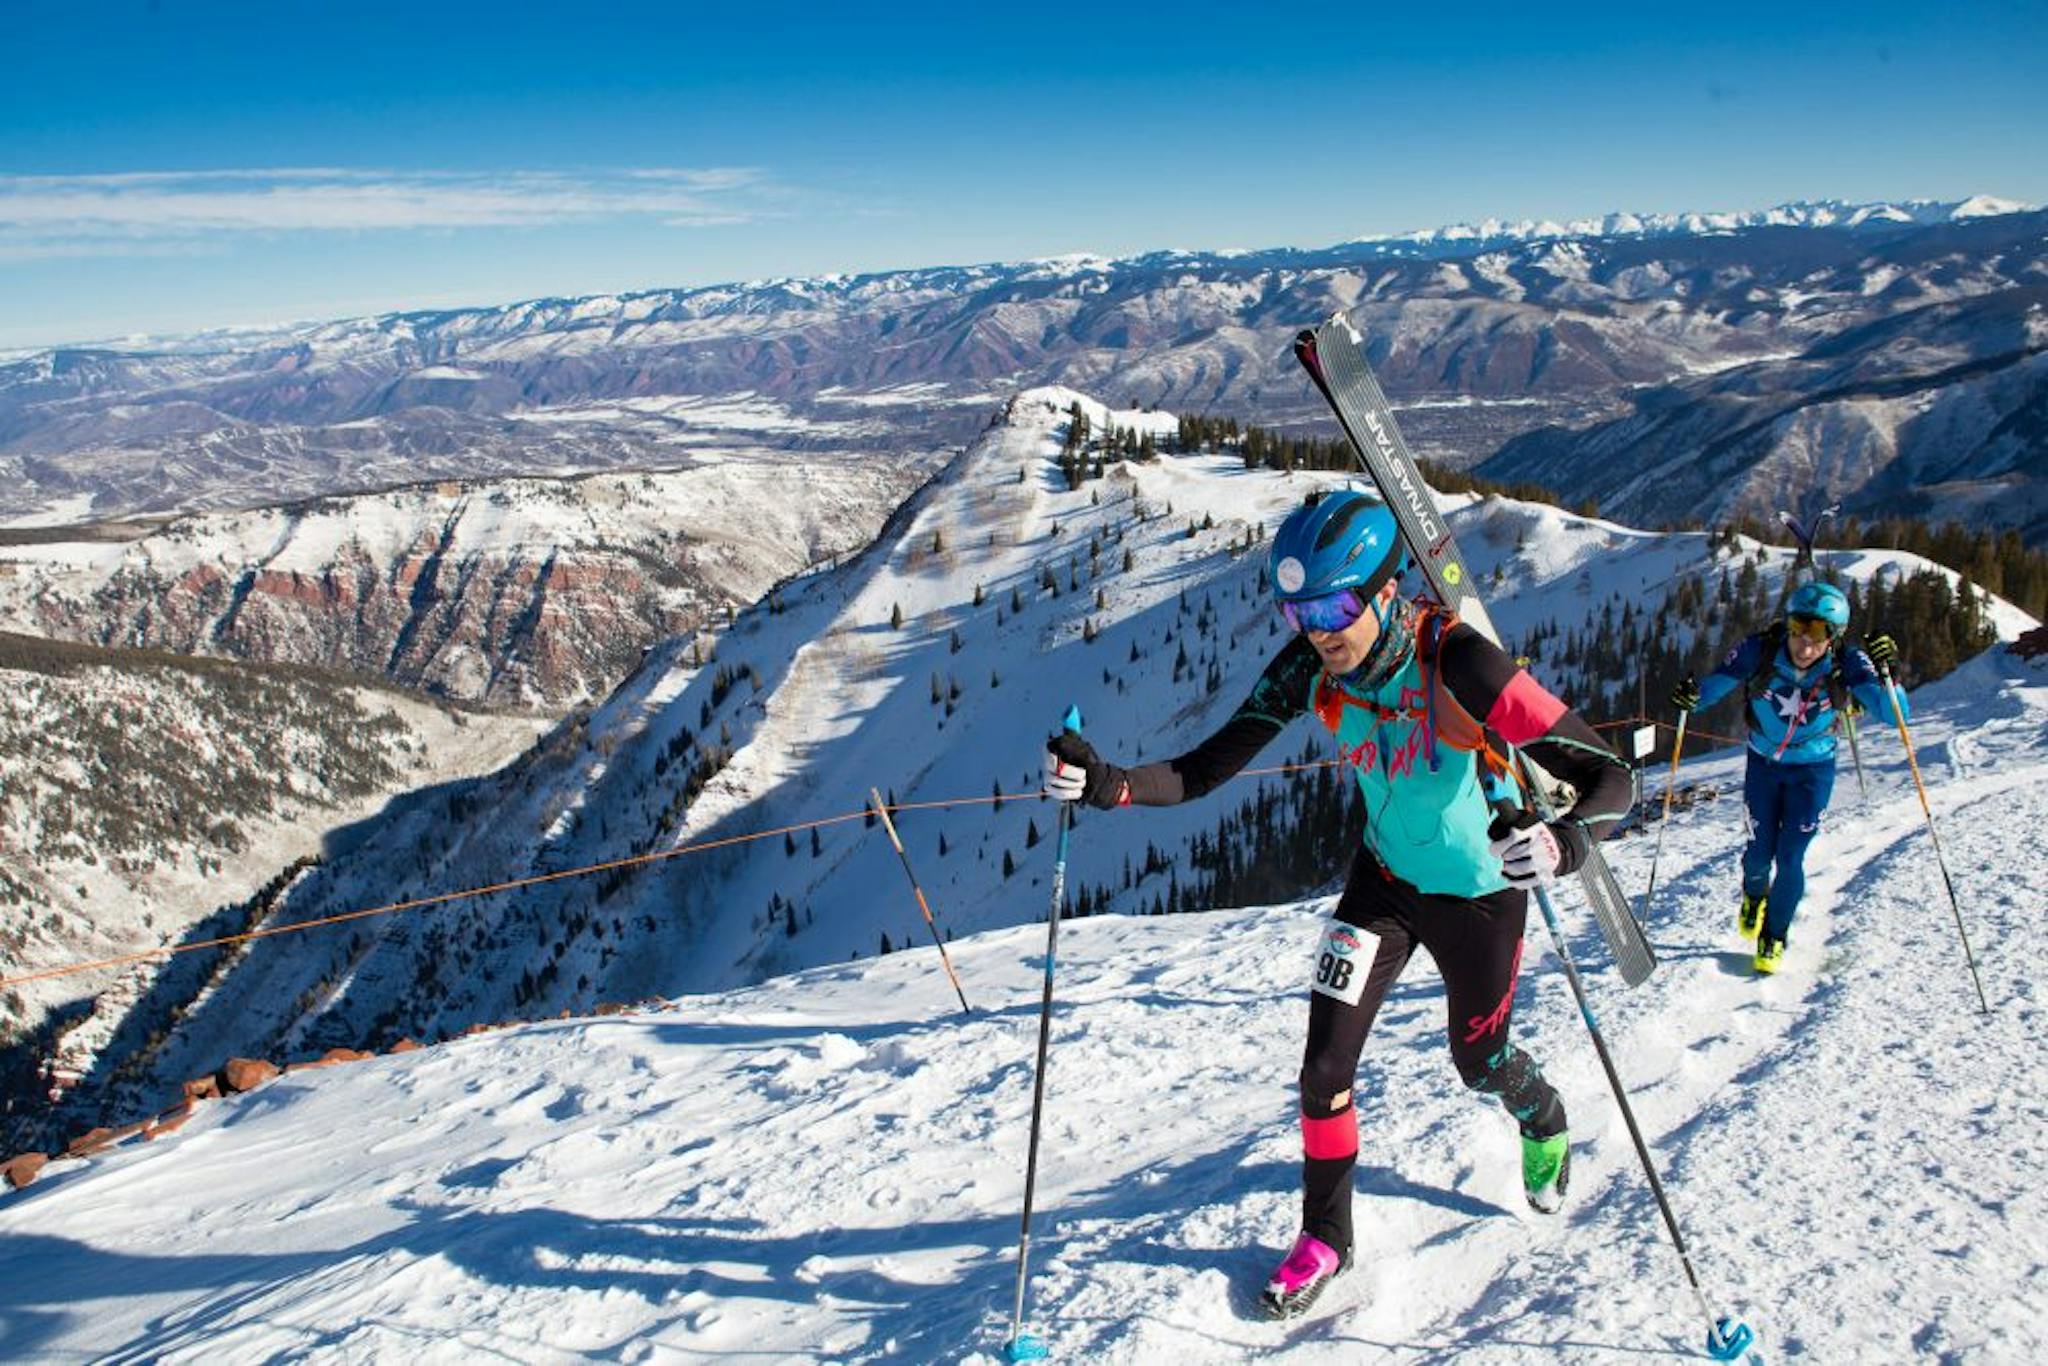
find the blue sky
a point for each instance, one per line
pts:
(193, 163)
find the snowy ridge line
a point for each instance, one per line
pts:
(443, 898)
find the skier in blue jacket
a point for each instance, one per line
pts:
(1798, 672)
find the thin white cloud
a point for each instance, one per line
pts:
(142, 211)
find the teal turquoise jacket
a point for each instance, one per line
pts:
(1431, 748)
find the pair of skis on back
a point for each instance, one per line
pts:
(1334, 356)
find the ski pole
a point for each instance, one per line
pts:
(1670, 786)
(1856, 757)
(1891, 695)
(1023, 1346)
(922, 904)
(1727, 1338)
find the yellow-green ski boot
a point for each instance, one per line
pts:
(1749, 921)
(1769, 954)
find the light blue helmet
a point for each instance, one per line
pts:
(1822, 601)
(1339, 540)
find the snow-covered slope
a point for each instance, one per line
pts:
(828, 1166)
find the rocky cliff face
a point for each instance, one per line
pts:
(526, 593)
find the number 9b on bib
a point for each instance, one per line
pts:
(1341, 962)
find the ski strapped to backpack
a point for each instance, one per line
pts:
(1334, 357)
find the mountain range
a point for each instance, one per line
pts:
(1671, 367)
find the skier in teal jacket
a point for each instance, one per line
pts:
(1425, 711)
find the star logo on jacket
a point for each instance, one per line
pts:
(1792, 708)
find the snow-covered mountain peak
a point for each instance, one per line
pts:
(1821, 213)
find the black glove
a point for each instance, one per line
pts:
(1883, 651)
(1686, 695)
(1075, 772)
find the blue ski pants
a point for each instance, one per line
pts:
(1785, 802)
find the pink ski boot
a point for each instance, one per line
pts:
(1297, 1281)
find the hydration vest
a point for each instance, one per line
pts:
(1426, 816)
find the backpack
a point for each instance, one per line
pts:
(1459, 729)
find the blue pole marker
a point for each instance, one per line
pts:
(1023, 1346)
(1729, 1339)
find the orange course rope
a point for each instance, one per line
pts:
(416, 903)
(1666, 725)
(171, 950)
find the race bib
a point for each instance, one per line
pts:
(1341, 961)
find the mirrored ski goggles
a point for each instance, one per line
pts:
(1331, 612)
(1813, 628)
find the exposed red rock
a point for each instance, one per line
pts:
(18, 1171)
(171, 1120)
(246, 1074)
(91, 1141)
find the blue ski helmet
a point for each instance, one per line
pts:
(1822, 601)
(1339, 540)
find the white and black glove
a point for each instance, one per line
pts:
(1531, 854)
(1074, 772)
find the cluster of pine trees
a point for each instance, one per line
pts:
(1995, 561)
(1085, 456)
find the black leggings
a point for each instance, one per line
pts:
(1477, 945)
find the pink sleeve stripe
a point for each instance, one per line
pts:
(1523, 711)
(1336, 1136)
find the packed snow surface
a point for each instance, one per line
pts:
(828, 1166)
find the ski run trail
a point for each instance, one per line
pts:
(828, 1166)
